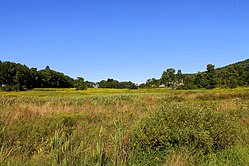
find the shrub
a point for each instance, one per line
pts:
(194, 129)
(10, 87)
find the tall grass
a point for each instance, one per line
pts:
(139, 127)
(100, 155)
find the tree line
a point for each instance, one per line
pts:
(111, 83)
(18, 77)
(15, 77)
(231, 76)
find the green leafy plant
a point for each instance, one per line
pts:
(178, 127)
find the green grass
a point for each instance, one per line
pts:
(124, 127)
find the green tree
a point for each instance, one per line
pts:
(47, 68)
(199, 80)
(80, 84)
(211, 82)
(131, 85)
(152, 83)
(143, 85)
(179, 77)
(14, 76)
(23, 77)
(168, 77)
(233, 83)
(54, 79)
(189, 82)
(90, 84)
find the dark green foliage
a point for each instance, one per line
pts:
(179, 77)
(189, 82)
(143, 85)
(52, 79)
(80, 84)
(233, 83)
(168, 77)
(47, 68)
(16, 77)
(199, 80)
(211, 81)
(194, 129)
(132, 85)
(111, 83)
(231, 76)
(90, 84)
(152, 83)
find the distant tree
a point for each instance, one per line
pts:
(199, 80)
(168, 77)
(111, 83)
(189, 82)
(179, 77)
(1, 74)
(171, 74)
(23, 77)
(152, 83)
(211, 82)
(90, 84)
(131, 85)
(245, 76)
(143, 85)
(35, 78)
(80, 84)
(102, 84)
(233, 83)
(54, 79)
(7, 73)
(164, 78)
(14, 76)
(47, 68)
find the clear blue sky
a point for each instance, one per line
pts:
(124, 39)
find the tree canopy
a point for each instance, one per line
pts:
(15, 76)
(111, 83)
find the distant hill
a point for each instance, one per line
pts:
(233, 75)
(230, 76)
(244, 63)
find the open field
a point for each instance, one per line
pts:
(124, 127)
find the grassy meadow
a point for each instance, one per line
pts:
(125, 127)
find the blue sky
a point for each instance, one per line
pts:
(124, 39)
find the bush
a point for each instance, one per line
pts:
(10, 87)
(81, 87)
(194, 129)
(80, 84)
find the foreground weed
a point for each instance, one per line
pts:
(60, 149)
(63, 151)
(4, 150)
(120, 140)
(100, 149)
